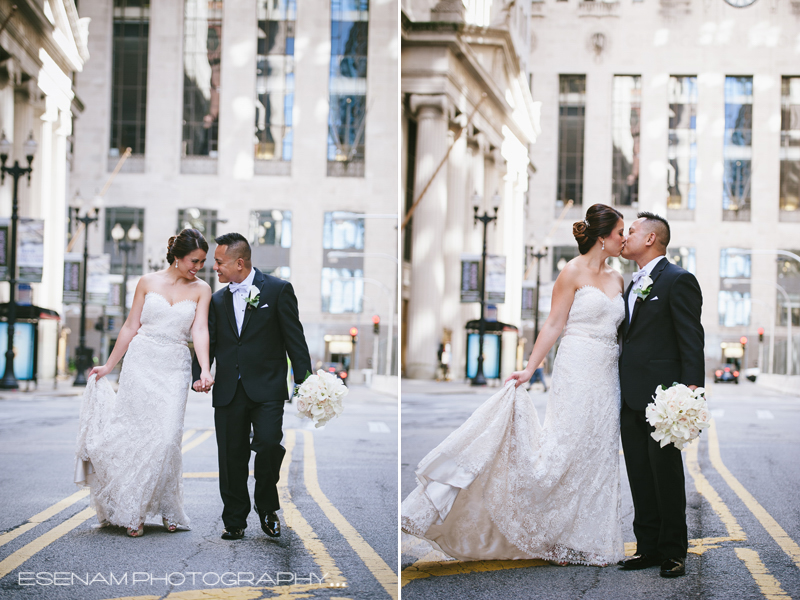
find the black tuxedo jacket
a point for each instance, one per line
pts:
(268, 335)
(664, 341)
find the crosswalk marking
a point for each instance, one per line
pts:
(378, 427)
(765, 414)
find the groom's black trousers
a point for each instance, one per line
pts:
(233, 446)
(657, 486)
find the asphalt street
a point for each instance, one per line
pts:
(339, 513)
(742, 484)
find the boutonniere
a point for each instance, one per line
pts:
(253, 298)
(643, 291)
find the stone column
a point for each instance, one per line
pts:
(458, 201)
(427, 259)
(237, 99)
(163, 130)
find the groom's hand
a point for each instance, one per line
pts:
(197, 386)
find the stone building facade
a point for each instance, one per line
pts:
(274, 119)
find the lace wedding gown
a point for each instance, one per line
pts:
(129, 445)
(502, 486)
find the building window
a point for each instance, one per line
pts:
(270, 236)
(734, 290)
(790, 148)
(275, 79)
(571, 122)
(205, 221)
(411, 174)
(738, 150)
(129, 85)
(682, 149)
(343, 262)
(202, 53)
(683, 257)
(126, 217)
(348, 87)
(627, 109)
(789, 280)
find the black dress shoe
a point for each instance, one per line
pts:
(233, 534)
(639, 561)
(270, 524)
(673, 567)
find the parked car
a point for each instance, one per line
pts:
(726, 374)
(337, 369)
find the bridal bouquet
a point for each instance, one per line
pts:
(319, 398)
(678, 414)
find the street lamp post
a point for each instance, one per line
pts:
(538, 255)
(485, 218)
(134, 234)
(9, 381)
(83, 355)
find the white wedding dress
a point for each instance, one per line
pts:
(129, 445)
(502, 486)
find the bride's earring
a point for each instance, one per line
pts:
(603, 247)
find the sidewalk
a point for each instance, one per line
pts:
(45, 389)
(421, 386)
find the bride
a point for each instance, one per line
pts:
(129, 445)
(502, 486)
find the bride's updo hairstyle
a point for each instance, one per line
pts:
(599, 223)
(186, 242)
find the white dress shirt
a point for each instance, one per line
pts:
(648, 268)
(240, 300)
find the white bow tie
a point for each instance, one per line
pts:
(240, 288)
(638, 275)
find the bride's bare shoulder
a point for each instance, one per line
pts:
(570, 275)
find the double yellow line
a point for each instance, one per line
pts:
(376, 565)
(767, 583)
(16, 559)
(294, 519)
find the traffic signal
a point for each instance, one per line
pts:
(760, 334)
(376, 324)
(743, 341)
(100, 324)
(353, 334)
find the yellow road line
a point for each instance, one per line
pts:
(284, 592)
(187, 434)
(14, 560)
(382, 572)
(295, 520)
(422, 570)
(197, 441)
(43, 516)
(765, 581)
(17, 558)
(771, 525)
(735, 532)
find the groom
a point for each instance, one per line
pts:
(253, 324)
(662, 343)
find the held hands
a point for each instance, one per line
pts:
(520, 377)
(100, 372)
(204, 383)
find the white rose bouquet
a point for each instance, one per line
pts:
(319, 398)
(678, 414)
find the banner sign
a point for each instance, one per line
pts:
(470, 278)
(496, 279)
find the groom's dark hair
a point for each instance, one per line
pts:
(659, 225)
(237, 245)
